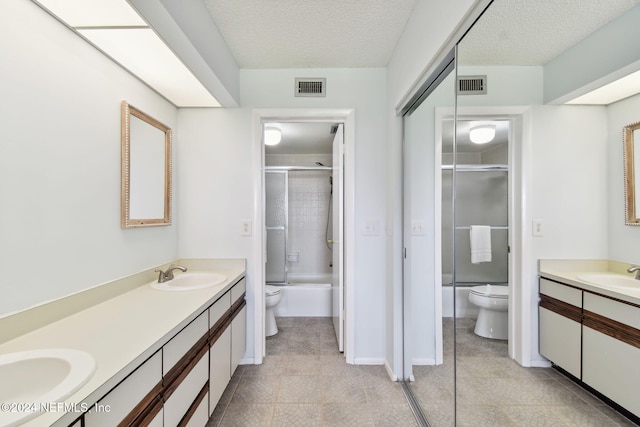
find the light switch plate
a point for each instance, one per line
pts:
(538, 227)
(371, 227)
(418, 228)
(245, 227)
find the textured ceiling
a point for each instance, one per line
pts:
(532, 32)
(311, 33)
(303, 138)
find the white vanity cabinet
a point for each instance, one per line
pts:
(182, 382)
(594, 337)
(560, 317)
(135, 395)
(611, 350)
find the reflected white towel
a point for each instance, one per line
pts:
(480, 236)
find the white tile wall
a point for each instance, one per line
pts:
(309, 194)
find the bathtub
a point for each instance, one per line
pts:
(305, 296)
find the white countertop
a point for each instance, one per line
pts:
(121, 333)
(568, 271)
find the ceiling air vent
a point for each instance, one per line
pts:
(472, 85)
(310, 87)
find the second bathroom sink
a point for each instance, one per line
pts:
(611, 280)
(191, 281)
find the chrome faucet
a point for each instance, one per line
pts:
(636, 269)
(165, 276)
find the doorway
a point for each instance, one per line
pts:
(313, 241)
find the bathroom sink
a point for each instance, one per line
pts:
(191, 281)
(35, 379)
(611, 280)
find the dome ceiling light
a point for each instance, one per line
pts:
(482, 134)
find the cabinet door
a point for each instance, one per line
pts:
(178, 404)
(200, 416)
(560, 341)
(611, 367)
(220, 369)
(238, 338)
(116, 405)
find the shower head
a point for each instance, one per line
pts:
(319, 164)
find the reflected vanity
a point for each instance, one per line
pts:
(146, 170)
(631, 176)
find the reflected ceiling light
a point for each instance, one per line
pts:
(482, 134)
(115, 28)
(272, 136)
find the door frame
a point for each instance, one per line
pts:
(346, 117)
(522, 299)
(522, 313)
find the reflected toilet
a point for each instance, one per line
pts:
(493, 316)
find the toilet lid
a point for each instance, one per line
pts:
(271, 290)
(494, 291)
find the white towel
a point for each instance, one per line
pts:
(480, 236)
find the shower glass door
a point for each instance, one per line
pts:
(276, 222)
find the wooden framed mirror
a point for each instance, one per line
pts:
(146, 170)
(631, 174)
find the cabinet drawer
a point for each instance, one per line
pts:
(217, 310)
(238, 289)
(183, 341)
(561, 292)
(183, 397)
(116, 405)
(560, 341)
(610, 366)
(614, 310)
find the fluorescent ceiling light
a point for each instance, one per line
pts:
(114, 27)
(612, 92)
(482, 134)
(272, 136)
(94, 13)
(142, 52)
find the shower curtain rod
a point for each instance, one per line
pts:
(477, 168)
(298, 168)
(493, 227)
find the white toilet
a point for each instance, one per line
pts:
(493, 302)
(272, 298)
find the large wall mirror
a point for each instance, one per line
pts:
(146, 170)
(631, 175)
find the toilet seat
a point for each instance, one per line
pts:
(270, 290)
(492, 291)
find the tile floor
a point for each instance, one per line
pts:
(304, 381)
(493, 390)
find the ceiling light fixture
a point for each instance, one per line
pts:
(272, 136)
(482, 134)
(116, 29)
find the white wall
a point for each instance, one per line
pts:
(60, 163)
(217, 189)
(624, 240)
